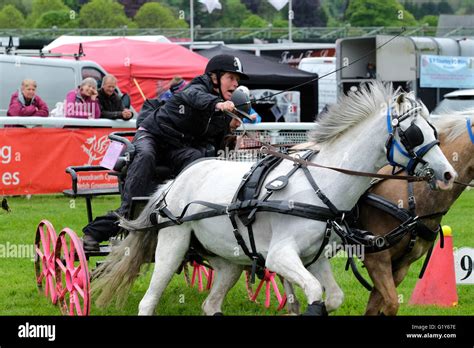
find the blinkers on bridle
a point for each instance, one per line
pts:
(410, 138)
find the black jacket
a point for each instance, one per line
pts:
(111, 107)
(189, 117)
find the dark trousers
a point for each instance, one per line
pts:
(141, 177)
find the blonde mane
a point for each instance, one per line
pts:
(453, 124)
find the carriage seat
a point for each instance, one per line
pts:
(163, 173)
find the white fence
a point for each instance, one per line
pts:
(256, 135)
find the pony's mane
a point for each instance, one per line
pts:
(453, 124)
(351, 110)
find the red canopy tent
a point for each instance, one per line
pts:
(148, 63)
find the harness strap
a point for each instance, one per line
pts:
(411, 199)
(425, 263)
(270, 163)
(359, 277)
(266, 150)
(240, 239)
(386, 206)
(319, 193)
(430, 250)
(327, 236)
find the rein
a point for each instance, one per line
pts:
(306, 163)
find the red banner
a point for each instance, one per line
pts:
(33, 161)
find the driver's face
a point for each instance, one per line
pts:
(229, 82)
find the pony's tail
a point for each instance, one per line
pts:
(114, 278)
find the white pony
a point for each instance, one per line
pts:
(351, 135)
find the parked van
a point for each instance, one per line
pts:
(55, 77)
(327, 87)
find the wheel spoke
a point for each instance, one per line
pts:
(77, 304)
(72, 252)
(43, 241)
(65, 250)
(61, 265)
(39, 252)
(79, 290)
(76, 271)
(63, 293)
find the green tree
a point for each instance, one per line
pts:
(334, 10)
(431, 20)
(254, 21)
(73, 5)
(445, 8)
(466, 8)
(309, 13)
(11, 17)
(155, 15)
(368, 13)
(103, 14)
(266, 11)
(42, 6)
(280, 23)
(24, 6)
(233, 13)
(60, 19)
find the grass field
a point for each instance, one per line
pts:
(19, 294)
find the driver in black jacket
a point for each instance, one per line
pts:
(183, 130)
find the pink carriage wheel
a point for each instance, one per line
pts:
(72, 274)
(270, 284)
(45, 243)
(201, 273)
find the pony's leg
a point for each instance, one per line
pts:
(322, 270)
(226, 275)
(173, 242)
(283, 259)
(375, 303)
(379, 266)
(292, 303)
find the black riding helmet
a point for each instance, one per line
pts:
(224, 63)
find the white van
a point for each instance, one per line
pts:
(327, 87)
(55, 77)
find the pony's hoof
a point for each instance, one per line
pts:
(218, 314)
(317, 308)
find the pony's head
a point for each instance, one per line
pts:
(413, 141)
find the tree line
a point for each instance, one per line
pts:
(234, 13)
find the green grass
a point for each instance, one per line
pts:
(20, 296)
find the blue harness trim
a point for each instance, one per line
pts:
(469, 129)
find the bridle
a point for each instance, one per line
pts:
(410, 138)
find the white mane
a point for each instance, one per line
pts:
(351, 110)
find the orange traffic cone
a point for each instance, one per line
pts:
(438, 285)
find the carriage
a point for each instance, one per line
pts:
(61, 263)
(413, 147)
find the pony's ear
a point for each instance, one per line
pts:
(400, 99)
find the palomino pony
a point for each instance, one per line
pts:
(352, 135)
(388, 268)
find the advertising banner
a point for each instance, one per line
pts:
(446, 72)
(33, 160)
